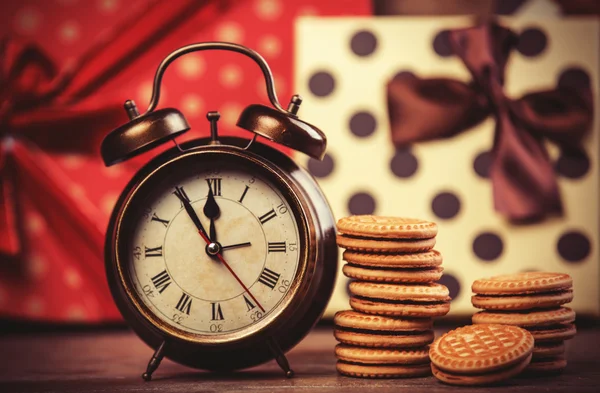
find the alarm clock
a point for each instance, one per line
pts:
(220, 252)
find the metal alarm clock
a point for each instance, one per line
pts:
(220, 252)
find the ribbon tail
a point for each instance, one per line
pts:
(523, 179)
(10, 244)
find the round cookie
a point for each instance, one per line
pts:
(413, 260)
(526, 318)
(354, 320)
(387, 227)
(424, 310)
(481, 349)
(483, 379)
(352, 354)
(393, 275)
(553, 333)
(549, 365)
(384, 246)
(383, 371)
(519, 283)
(430, 292)
(547, 350)
(524, 302)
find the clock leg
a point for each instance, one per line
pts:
(280, 357)
(154, 362)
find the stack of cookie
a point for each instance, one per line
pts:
(481, 354)
(533, 301)
(393, 296)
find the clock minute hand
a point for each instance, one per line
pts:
(190, 211)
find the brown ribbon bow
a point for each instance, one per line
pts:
(522, 175)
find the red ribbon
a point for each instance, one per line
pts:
(43, 110)
(522, 175)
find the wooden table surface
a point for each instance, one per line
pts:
(112, 361)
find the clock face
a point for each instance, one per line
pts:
(226, 279)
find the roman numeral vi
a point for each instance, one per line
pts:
(217, 313)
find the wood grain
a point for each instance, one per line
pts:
(113, 361)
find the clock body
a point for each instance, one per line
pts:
(274, 228)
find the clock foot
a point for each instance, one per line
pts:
(280, 358)
(154, 362)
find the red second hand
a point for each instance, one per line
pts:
(207, 240)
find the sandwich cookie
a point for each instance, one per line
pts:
(553, 333)
(423, 300)
(547, 350)
(387, 227)
(383, 370)
(523, 302)
(523, 283)
(367, 233)
(374, 356)
(393, 275)
(482, 379)
(547, 365)
(428, 259)
(480, 354)
(365, 244)
(526, 318)
(358, 329)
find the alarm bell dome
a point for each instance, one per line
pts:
(142, 133)
(284, 128)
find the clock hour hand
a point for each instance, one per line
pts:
(236, 245)
(179, 193)
(212, 211)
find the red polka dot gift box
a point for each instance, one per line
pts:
(66, 68)
(489, 130)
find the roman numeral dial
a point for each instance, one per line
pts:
(244, 279)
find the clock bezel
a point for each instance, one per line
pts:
(295, 313)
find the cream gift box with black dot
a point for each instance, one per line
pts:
(342, 68)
